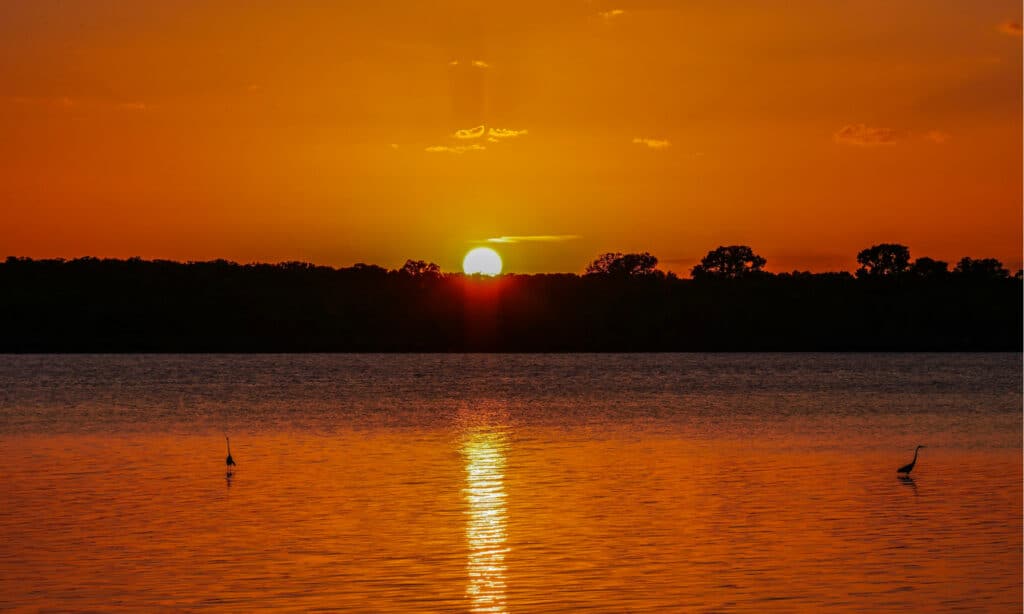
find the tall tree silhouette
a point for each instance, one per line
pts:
(729, 262)
(883, 260)
(927, 268)
(981, 268)
(617, 264)
(420, 268)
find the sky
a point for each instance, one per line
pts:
(344, 132)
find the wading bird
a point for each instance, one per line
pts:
(905, 468)
(230, 461)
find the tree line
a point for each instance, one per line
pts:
(622, 302)
(885, 260)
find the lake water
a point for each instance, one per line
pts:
(511, 483)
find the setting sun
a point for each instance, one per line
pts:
(482, 260)
(761, 239)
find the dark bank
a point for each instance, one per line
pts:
(621, 305)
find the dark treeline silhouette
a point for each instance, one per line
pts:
(622, 303)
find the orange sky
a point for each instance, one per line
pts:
(328, 132)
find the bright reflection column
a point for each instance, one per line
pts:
(485, 528)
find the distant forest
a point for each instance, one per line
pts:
(622, 303)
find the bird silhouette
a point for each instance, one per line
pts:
(908, 468)
(229, 461)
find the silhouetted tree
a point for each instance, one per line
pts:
(883, 260)
(617, 264)
(419, 268)
(361, 269)
(729, 262)
(928, 268)
(982, 268)
(295, 265)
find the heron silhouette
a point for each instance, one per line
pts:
(229, 461)
(906, 469)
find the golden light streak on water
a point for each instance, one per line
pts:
(486, 538)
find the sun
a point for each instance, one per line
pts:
(482, 260)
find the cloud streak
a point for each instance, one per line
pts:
(531, 238)
(477, 135)
(474, 63)
(454, 149)
(652, 143)
(472, 139)
(862, 135)
(493, 134)
(612, 14)
(470, 133)
(505, 133)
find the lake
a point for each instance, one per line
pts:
(511, 483)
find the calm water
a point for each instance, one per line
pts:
(496, 483)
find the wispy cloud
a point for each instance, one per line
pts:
(531, 238)
(454, 149)
(611, 14)
(937, 136)
(652, 143)
(470, 133)
(473, 63)
(505, 133)
(493, 135)
(1013, 28)
(862, 135)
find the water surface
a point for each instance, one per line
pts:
(503, 483)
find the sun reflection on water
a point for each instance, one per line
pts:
(484, 452)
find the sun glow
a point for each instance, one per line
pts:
(482, 260)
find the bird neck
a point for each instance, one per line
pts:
(916, 450)
(229, 447)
